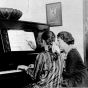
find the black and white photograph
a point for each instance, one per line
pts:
(43, 43)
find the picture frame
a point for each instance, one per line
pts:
(54, 14)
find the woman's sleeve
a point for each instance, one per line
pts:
(38, 65)
(70, 64)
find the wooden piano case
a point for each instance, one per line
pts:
(9, 60)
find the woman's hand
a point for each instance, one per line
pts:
(22, 67)
(31, 44)
(55, 48)
(65, 83)
(31, 66)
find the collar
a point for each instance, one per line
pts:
(70, 48)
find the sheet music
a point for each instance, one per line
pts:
(18, 40)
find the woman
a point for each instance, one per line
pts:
(75, 71)
(47, 66)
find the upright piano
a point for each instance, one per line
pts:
(14, 52)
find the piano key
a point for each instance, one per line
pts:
(11, 71)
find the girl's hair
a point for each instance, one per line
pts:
(49, 37)
(66, 37)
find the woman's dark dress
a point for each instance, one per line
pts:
(75, 73)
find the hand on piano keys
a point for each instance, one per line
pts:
(31, 66)
(22, 67)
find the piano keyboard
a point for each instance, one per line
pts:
(11, 71)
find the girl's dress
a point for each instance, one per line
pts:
(46, 71)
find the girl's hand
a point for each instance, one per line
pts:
(22, 67)
(31, 66)
(31, 44)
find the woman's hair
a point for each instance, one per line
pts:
(66, 37)
(49, 37)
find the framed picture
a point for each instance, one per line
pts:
(54, 14)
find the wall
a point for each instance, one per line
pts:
(72, 16)
(85, 27)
